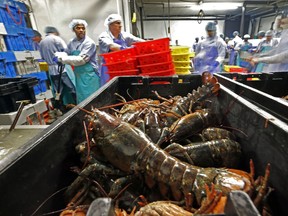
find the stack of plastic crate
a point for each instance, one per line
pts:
(154, 57)
(181, 59)
(16, 40)
(121, 63)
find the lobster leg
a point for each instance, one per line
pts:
(175, 148)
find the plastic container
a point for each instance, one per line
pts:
(153, 46)
(15, 89)
(42, 78)
(41, 167)
(179, 49)
(181, 57)
(149, 68)
(266, 90)
(119, 56)
(154, 58)
(130, 64)
(7, 60)
(181, 63)
(182, 70)
(234, 68)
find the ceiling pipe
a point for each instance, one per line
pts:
(242, 20)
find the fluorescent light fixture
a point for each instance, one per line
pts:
(217, 6)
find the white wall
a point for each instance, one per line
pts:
(59, 13)
(183, 31)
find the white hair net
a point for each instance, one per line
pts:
(75, 22)
(269, 33)
(246, 36)
(112, 18)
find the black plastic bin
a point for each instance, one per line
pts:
(263, 89)
(31, 174)
(16, 89)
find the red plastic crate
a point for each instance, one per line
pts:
(145, 69)
(122, 73)
(154, 58)
(238, 70)
(119, 56)
(130, 64)
(153, 46)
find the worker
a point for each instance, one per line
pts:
(233, 47)
(196, 43)
(48, 46)
(265, 46)
(277, 57)
(261, 35)
(210, 53)
(244, 50)
(37, 37)
(81, 53)
(113, 39)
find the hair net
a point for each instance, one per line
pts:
(50, 29)
(112, 18)
(269, 33)
(246, 36)
(261, 33)
(211, 26)
(235, 33)
(36, 33)
(75, 22)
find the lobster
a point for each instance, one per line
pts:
(128, 149)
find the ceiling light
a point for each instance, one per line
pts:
(216, 6)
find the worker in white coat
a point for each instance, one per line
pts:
(210, 53)
(114, 39)
(265, 46)
(276, 58)
(81, 53)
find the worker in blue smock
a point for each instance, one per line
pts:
(210, 52)
(244, 50)
(277, 57)
(113, 39)
(81, 53)
(48, 46)
(265, 46)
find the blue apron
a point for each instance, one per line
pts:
(260, 66)
(241, 62)
(206, 62)
(104, 69)
(87, 81)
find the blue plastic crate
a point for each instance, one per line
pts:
(11, 39)
(12, 13)
(7, 68)
(41, 77)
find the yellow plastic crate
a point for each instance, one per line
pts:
(182, 70)
(44, 66)
(179, 49)
(180, 57)
(183, 73)
(181, 63)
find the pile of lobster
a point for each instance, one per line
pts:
(165, 155)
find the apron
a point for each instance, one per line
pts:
(260, 66)
(204, 61)
(87, 81)
(244, 52)
(104, 69)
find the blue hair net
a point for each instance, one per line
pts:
(211, 26)
(50, 29)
